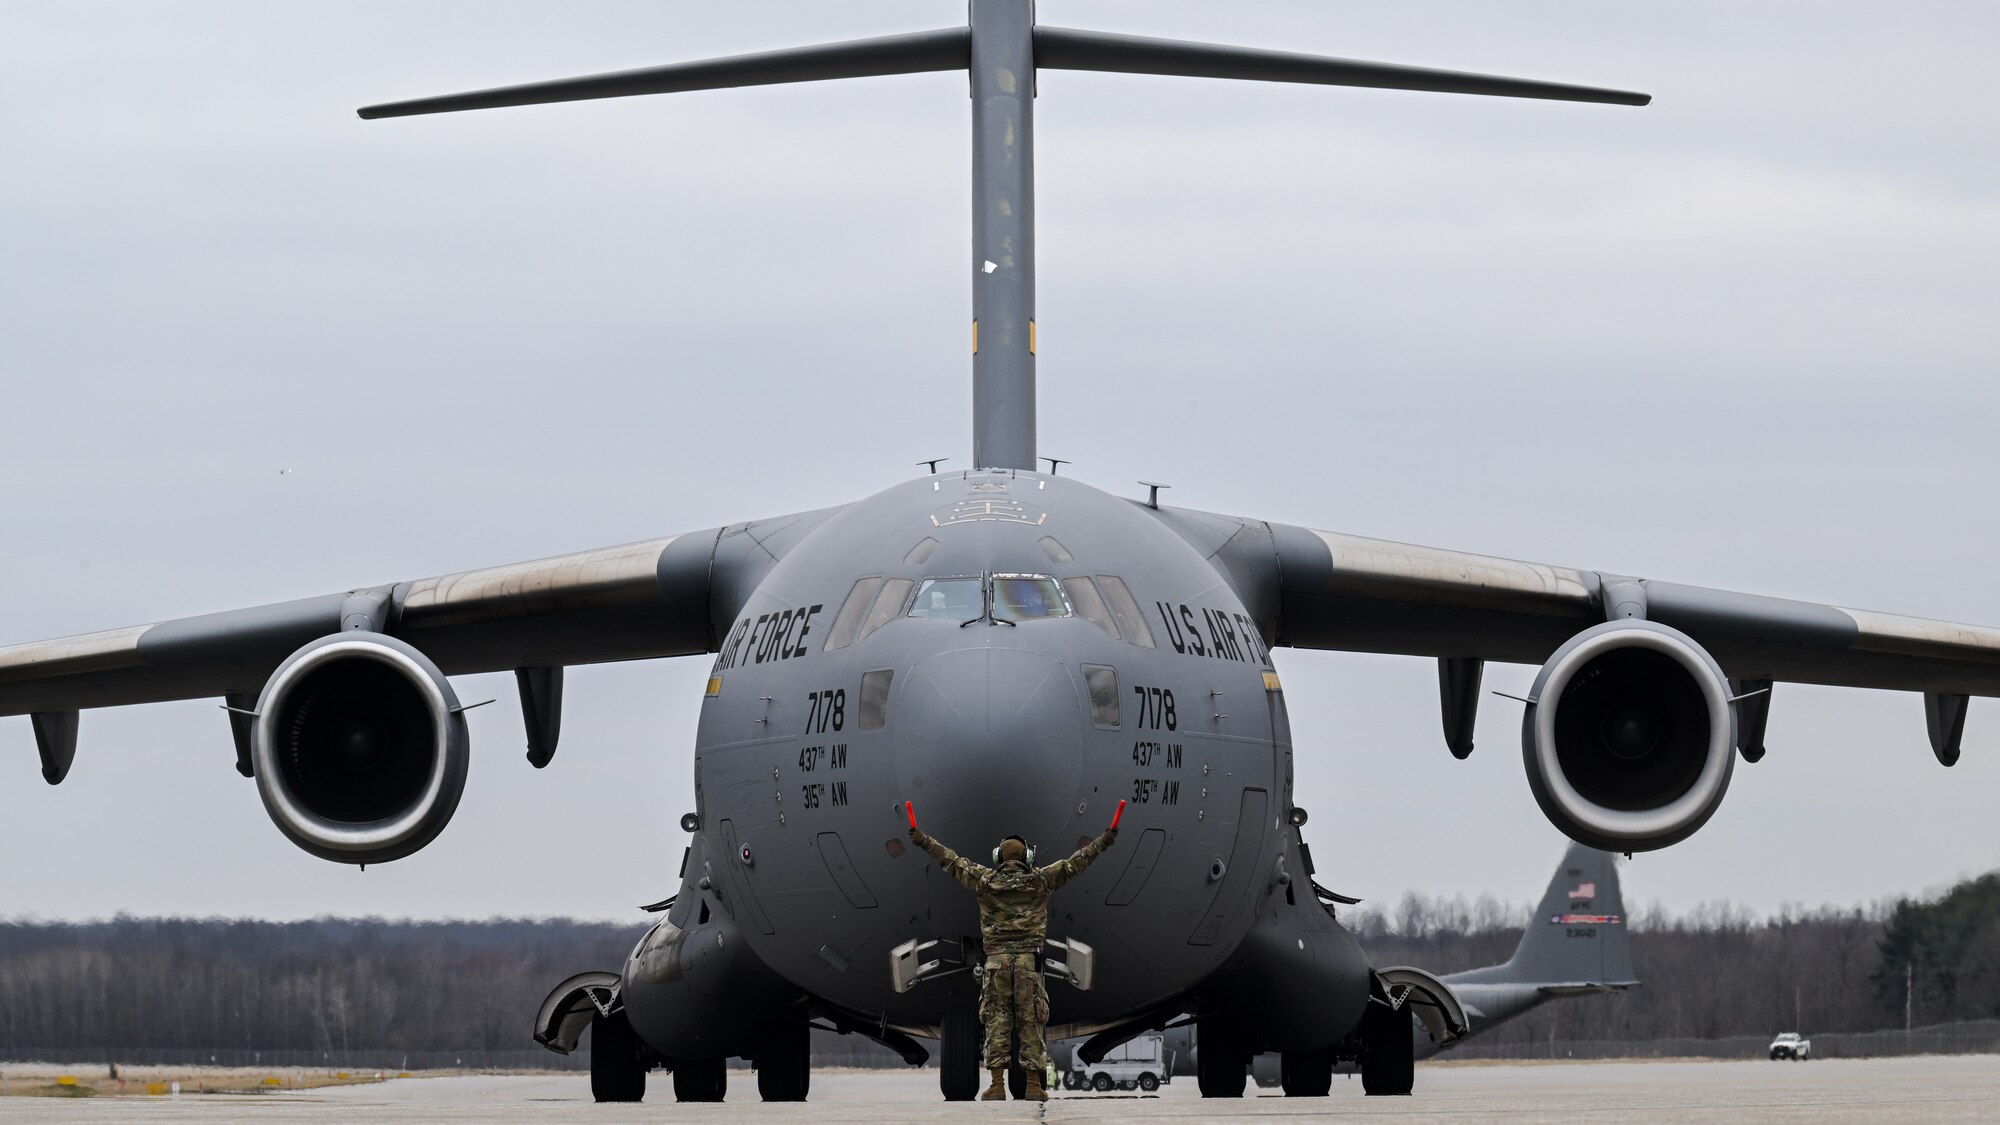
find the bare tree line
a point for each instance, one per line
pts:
(342, 985)
(323, 985)
(1719, 970)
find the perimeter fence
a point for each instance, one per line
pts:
(1967, 1038)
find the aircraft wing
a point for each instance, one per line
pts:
(663, 597)
(1330, 590)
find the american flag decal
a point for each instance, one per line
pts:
(1585, 920)
(1584, 890)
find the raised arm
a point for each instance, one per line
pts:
(953, 864)
(1063, 870)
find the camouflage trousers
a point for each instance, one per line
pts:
(1012, 1001)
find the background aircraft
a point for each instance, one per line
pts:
(1576, 944)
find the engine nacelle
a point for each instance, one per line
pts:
(359, 748)
(1631, 738)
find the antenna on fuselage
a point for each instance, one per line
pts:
(1001, 48)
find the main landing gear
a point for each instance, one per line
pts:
(1388, 1051)
(617, 1070)
(784, 1063)
(960, 1039)
(1306, 1074)
(701, 1080)
(1221, 1063)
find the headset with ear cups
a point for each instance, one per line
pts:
(1024, 843)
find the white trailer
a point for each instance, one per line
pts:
(1142, 1063)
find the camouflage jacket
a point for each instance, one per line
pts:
(1014, 900)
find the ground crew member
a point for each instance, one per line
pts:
(1013, 922)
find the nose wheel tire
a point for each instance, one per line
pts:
(784, 1063)
(701, 1080)
(960, 1039)
(617, 1074)
(1388, 1051)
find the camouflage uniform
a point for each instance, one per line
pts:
(1013, 922)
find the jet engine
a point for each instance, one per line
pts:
(1631, 736)
(359, 748)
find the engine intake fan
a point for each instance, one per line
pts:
(360, 748)
(1631, 739)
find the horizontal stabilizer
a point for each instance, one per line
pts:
(1586, 988)
(1067, 49)
(949, 49)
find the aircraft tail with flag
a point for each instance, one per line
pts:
(1577, 943)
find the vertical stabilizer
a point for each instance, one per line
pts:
(1578, 937)
(1001, 50)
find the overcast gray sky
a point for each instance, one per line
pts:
(1745, 338)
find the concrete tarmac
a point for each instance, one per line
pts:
(1935, 1088)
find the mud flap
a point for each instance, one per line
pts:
(567, 1012)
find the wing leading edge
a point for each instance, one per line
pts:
(661, 597)
(1329, 590)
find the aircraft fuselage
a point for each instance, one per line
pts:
(1037, 728)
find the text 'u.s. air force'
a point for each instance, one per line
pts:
(1228, 636)
(769, 636)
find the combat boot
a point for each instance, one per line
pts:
(1035, 1093)
(998, 1091)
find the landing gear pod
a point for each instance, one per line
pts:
(359, 748)
(1631, 738)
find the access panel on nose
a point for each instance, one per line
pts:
(1236, 869)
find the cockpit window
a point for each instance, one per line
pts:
(1083, 595)
(887, 605)
(849, 619)
(1125, 610)
(951, 599)
(1027, 597)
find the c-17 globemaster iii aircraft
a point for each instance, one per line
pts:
(954, 634)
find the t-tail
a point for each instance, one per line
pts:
(1578, 942)
(1001, 48)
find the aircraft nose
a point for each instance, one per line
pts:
(990, 743)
